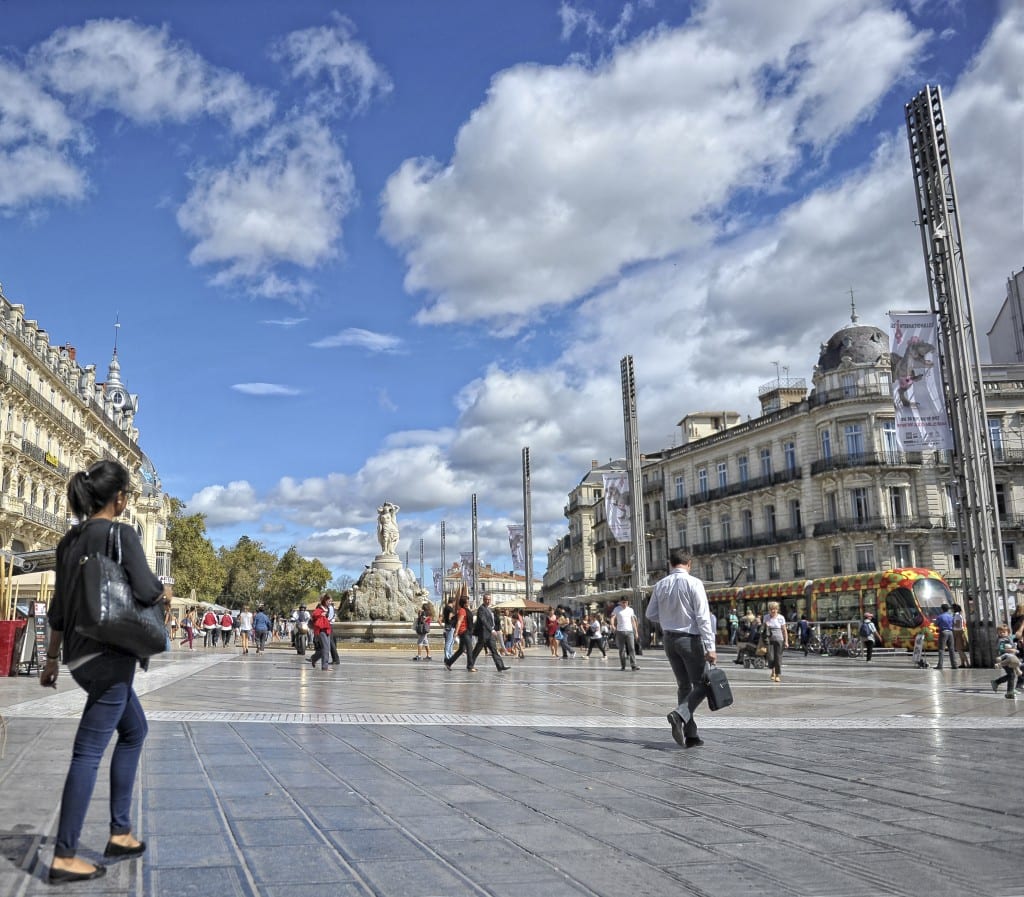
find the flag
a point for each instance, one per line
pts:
(517, 545)
(438, 582)
(922, 421)
(616, 505)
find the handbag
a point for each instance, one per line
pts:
(719, 691)
(108, 611)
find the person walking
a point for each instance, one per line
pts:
(1007, 658)
(552, 630)
(484, 630)
(322, 630)
(227, 623)
(423, 621)
(448, 621)
(778, 639)
(464, 634)
(679, 605)
(594, 637)
(626, 632)
(188, 626)
(97, 497)
(870, 634)
(804, 631)
(245, 627)
(210, 628)
(960, 635)
(261, 629)
(944, 623)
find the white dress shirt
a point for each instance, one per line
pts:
(680, 604)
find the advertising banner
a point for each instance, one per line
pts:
(438, 582)
(616, 505)
(468, 570)
(922, 422)
(517, 545)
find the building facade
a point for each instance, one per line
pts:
(55, 419)
(1006, 338)
(816, 485)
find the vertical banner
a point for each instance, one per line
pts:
(922, 421)
(468, 569)
(517, 545)
(616, 505)
(438, 582)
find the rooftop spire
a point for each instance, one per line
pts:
(853, 309)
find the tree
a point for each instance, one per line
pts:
(294, 581)
(194, 563)
(247, 570)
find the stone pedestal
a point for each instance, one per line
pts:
(386, 562)
(379, 631)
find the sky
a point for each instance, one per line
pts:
(370, 250)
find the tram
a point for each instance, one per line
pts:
(905, 601)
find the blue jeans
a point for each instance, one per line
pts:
(111, 705)
(324, 647)
(946, 644)
(449, 643)
(686, 656)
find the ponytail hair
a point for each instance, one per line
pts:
(91, 490)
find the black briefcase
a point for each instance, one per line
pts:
(719, 692)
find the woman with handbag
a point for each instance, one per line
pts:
(97, 497)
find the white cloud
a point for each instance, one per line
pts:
(266, 389)
(286, 322)
(566, 176)
(363, 339)
(331, 52)
(226, 505)
(144, 74)
(282, 201)
(37, 138)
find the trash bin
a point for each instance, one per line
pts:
(8, 638)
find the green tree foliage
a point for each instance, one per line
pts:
(194, 562)
(248, 567)
(295, 581)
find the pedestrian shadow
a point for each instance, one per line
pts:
(20, 847)
(599, 737)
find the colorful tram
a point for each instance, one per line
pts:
(905, 602)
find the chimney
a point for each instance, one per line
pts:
(593, 465)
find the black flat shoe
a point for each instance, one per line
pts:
(65, 876)
(116, 850)
(694, 742)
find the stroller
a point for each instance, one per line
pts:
(751, 648)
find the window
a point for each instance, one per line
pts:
(744, 468)
(849, 382)
(702, 481)
(766, 462)
(854, 440)
(751, 570)
(709, 572)
(899, 505)
(773, 566)
(769, 520)
(795, 519)
(865, 558)
(859, 505)
(726, 527)
(890, 440)
(1001, 499)
(681, 536)
(789, 451)
(723, 475)
(798, 564)
(826, 445)
(680, 486)
(747, 522)
(1010, 554)
(901, 608)
(995, 438)
(901, 555)
(705, 531)
(831, 507)
(837, 559)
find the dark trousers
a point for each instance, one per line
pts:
(869, 646)
(596, 640)
(319, 651)
(465, 647)
(110, 706)
(775, 656)
(486, 641)
(627, 648)
(686, 657)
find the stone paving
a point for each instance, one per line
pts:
(263, 776)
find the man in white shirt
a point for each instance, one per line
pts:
(679, 605)
(626, 632)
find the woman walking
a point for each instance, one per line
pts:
(245, 627)
(464, 635)
(97, 497)
(188, 626)
(778, 640)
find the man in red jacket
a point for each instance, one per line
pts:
(322, 630)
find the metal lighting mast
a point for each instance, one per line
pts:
(476, 566)
(950, 297)
(528, 524)
(639, 577)
(444, 571)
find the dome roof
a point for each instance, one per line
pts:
(863, 345)
(150, 478)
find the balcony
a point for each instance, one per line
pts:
(45, 460)
(653, 484)
(867, 459)
(678, 504)
(845, 394)
(874, 524)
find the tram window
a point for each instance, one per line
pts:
(901, 608)
(931, 595)
(848, 605)
(827, 610)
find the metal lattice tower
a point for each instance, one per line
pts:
(528, 523)
(950, 298)
(639, 572)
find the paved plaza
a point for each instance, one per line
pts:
(263, 777)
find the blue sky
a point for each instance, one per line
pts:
(369, 250)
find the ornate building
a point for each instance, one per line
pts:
(55, 419)
(815, 485)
